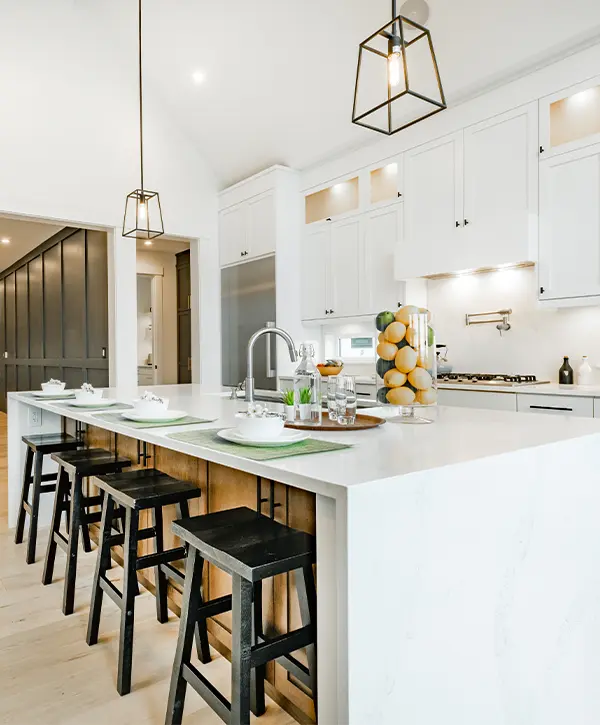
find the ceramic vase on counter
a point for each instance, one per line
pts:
(406, 362)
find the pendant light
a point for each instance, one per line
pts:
(397, 78)
(143, 215)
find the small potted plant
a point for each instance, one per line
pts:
(290, 405)
(305, 403)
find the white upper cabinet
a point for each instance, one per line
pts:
(261, 224)
(345, 273)
(315, 272)
(500, 183)
(233, 234)
(570, 119)
(569, 254)
(433, 206)
(382, 233)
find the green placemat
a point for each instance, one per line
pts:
(209, 439)
(116, 406)
(118, 418)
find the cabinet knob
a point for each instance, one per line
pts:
(399, 194)
(542, 149)
(326, 312)
(466, 222)
(328, 219)
(457, 224)
(542, 290)
(331, 312)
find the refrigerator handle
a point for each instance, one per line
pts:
(271, 373)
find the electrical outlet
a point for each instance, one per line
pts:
(35, 417)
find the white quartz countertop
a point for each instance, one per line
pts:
(456, 436)
(585, 391)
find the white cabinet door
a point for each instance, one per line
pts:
(433, 204)
(476, 399)
(556, 405)
(501, 160)
(569, 254)
(232, 234)
(382, 233)
(261, 225)
(315, 266)
(345, 271)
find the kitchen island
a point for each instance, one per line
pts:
(457, 563)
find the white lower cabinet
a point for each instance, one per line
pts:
(476, 399)
(555, 405)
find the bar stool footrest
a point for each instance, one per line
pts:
(173, 574)
(109, 588)
(207, 691)
(48, 487)
(275, 647)
(119, 539)
(61, 540)
(160, 557)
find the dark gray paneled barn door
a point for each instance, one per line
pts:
(54, 314)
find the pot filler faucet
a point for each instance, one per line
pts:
(250, 362)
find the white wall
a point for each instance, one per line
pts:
(144, 318)
(69, 137)
(164, 264)
(538, 340)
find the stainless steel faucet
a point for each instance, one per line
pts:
(250, 361)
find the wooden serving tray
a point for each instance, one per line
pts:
(362, 422)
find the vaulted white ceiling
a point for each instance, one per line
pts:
(279, 75)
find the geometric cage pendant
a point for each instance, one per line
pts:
(397, 77)
(143, 215)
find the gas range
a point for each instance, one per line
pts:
(487, 379)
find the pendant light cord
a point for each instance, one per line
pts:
(141, 101)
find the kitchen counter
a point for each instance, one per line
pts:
(457, 557)
(584, 391)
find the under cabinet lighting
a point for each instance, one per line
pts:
(5, 240)
(480, 270)
(198, 77)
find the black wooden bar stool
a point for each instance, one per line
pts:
(73, 467)
(135, 491)
(35, 481)
(250, 547)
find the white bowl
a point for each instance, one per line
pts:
(85, 396)
(149, 407)
(259, 428)
(53, 387)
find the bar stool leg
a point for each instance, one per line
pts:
(101, 568)
(85, 529)
(128, 602)
(75, 524)
(160, 578)
(60, 504)
(258, 674)
(307, 598)
(200, 628)
(189, 606)
(35, 506)
(24, 496)
(241, 645)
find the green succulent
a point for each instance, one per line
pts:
(288, 397)
(305, 396)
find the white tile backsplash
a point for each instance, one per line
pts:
(538, 339)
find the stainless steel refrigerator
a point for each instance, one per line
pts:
(247, 304)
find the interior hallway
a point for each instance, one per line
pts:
(47, 671)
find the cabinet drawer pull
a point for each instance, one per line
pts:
(550, 407)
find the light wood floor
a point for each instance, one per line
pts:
(48, 674)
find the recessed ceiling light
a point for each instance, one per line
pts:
(198, 77)
(5, 240)
(148, 243)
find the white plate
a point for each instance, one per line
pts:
(101, 403)
(286, 438)
(165, 416)
(54, 396)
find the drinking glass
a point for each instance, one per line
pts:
(331, 401)
(345, 398)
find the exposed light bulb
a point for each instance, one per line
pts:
(142, 212)
(5, 240)
(394, 68)
(148, 243)
(198, 77)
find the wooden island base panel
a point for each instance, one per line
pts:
(225, 488)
